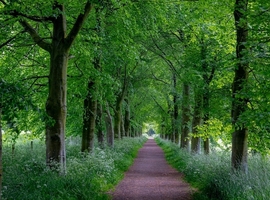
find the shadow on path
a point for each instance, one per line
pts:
(151, 178)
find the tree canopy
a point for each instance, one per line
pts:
(169, 63)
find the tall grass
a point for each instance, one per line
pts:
(213, 177)
(88, 176)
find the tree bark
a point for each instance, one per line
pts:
(118, 105)
(206, 142)
(122, 126)
(185, 117)
(1, 153)
(117, 118)
(133, 131)
(109, 127)
(89, 119)
(127, 118)
(206, 146)
(118, 109)
(206, 93)
(56, 106)
(90, 102)
(99, 125)
(197, 120)
(239, 104)
(137, 131)
(175, 110)
(162, 134)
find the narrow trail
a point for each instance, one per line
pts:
(151, 178)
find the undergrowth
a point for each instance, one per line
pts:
(211, 174)
(89, 176)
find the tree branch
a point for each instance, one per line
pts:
(210, 78)
(9, 40)
(15, 13)
(158, 104)
(37, 39)
(180, 37)
(35, 77)
(2, 1)
(158, 79)
(163, 56)
(174, 51)
(78, 76)
(78, 24)
(35, 80)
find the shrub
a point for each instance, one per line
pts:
(89, 176)
(213, 177)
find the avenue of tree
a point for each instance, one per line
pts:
(101, 69)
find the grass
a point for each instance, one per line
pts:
(212, 175)
(88, 176)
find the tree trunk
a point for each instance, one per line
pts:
(13, 148)
(1, 153)
(127, 118)
(162, 134)
(175, 120)
(109, 127)
(99, 125)
(118, 109)
(137, 132)
(140, 131)
(206, 146)
(122, 126)
(117, 118)
(197, 120)
(239, 104)
(90, 103)
(175, 109)
(132, 134)
(56, 106)
(118, 105)
(172, 134)
(89, 119)
(185, 117)
(207, 78)
(206, 142)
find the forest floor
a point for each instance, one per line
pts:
(152, 178)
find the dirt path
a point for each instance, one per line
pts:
(151, 178)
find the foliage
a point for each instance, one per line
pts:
(16, 103)
(147, 42)
(89, 175)
(212, 174)
(214, 129)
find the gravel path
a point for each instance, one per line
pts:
(151, 178)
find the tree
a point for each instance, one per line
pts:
(127, 117)
(239, 104)
(185, 127)
(118, 104)
(58, 48)
(109, 127)
(1, 152)
(99, 124)
(89, 118)
(196, 121)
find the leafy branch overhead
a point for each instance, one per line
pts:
(196, 72)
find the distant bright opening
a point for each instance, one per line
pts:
(150, 128)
